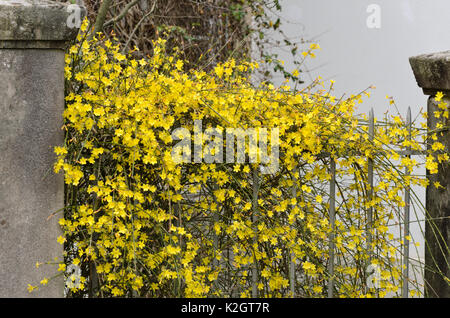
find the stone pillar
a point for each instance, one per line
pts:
(432, 72)
(33, 35)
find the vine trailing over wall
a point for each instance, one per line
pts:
(137, 223)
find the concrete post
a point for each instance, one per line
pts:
(432, 72)
(33, 34)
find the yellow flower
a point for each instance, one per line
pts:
(61, 239)
(309, 266)
(319, 199)
(317, 289)
(61, 267)
(32, 288)
(60, 151)
(117, 292)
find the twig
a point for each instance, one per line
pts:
(138, 25)
(99, 22)
(122, 14)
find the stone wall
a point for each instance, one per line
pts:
(33, 35)
(432, 72)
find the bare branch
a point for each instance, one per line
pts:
(138, 24)
(99, 22)
(122, 14)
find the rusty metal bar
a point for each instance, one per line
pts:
(332, 217)
(370, 183)
(406, 218)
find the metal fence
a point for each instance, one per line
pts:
(370, 176)
(370, 213)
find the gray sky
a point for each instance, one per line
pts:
(357, 56)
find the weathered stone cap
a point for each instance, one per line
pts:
(37, 20)
(432, 72)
